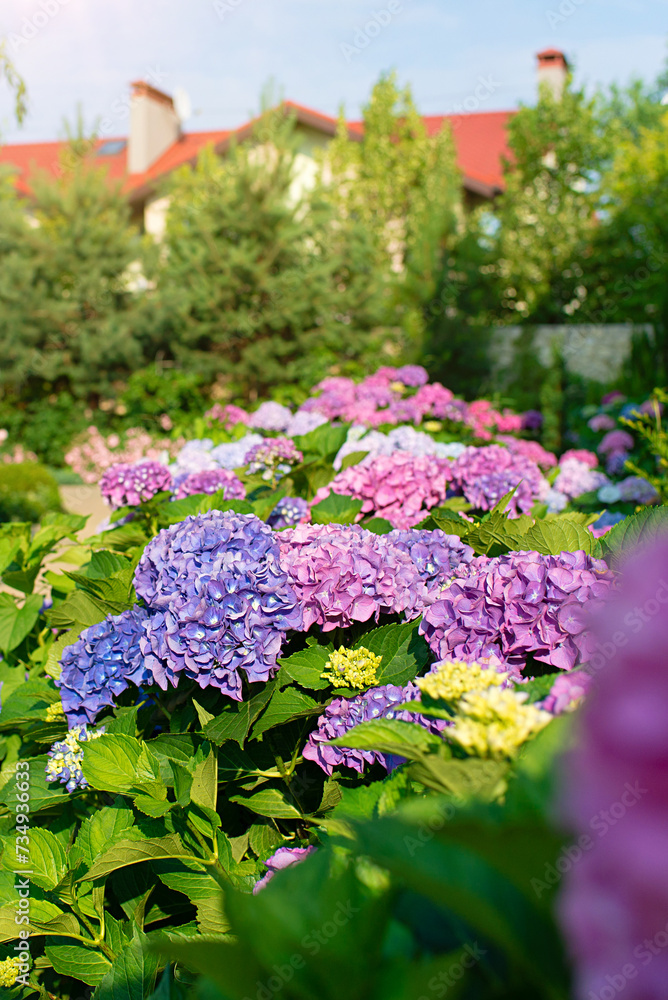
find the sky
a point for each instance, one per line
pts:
(476, 55)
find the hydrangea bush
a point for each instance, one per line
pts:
(266, 728)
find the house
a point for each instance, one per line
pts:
(157, 145)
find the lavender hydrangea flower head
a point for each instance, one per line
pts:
(484, 475)
(289, 512)
(103, 662)
(65, 757)
(125, 485)
(222, 601)
(271, 416)
(577, 477)
(211, 481)
(232, 455)
(435, 554)
(342, 574)
(284, 857)
(517, 605)
(344, 713)
(615, 441)
(303, 422)
(273, 458)
(636, 489)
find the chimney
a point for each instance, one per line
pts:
(154, 126)
(553, 71)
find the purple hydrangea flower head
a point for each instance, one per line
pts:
(484, 475)
(614, 901)
(567, 692)
(531, 450)
(271, 416)
(344, 713)
(532, 420)
(412, 375)
(399, 487)
(601, 422)
(125, 485)
(636, 489)
(342, 574)
(104, 660)
(222, 601)
(288, 512)
(607, 520)
(517, 605)
(284, 857)
(615, 462)
(615, 441)
(211, 481)
(435, 554)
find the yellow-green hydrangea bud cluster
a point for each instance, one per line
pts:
(65, 757)
(452, 679)
(55, 712)
(353, 668)
(9, 970)
(495, 722)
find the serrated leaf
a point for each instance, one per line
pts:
(100, 831)
(268, 802)
(110, 763)
(132, 852)
(336, 509)
(550, 537)
(133, 973)
(43, 794)
(41, 911)
(47, 862)
(306, 667)
(264, 839)
(73, 959)
(646, 526)
(401, 739)
(233, 724)
(403, 650)
(211, 917)
(287, 704)
(465, 779)
(204, 788)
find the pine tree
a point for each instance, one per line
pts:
(258, 285)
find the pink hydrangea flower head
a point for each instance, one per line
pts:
(580, 455)
(399, 487)
(601, 422)
(343, 574)
(614, 902)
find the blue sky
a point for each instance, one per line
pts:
(320, 52)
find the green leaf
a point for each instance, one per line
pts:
(404, 651)
(482, 779)
(306, 667)
(401, 739)
(100, 831)
(41, 912)
(43, 794)
(234, 723)
(179, 510)
(323, 442)
(211, 916)
(48, 862)
(268, 802)
(647, 526)
(110, 763)
(264, 839)
(286, 704)
(196, 885)
(16, 622)
(132, 852)
(204, 788)
(336, 509)
(133, 974)
(378, 525)
(560, 534)
(73, 959)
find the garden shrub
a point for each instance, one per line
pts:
(28, 491)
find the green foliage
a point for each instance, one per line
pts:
(28, 491)
(257, 284)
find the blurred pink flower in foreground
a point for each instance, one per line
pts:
(614, 907)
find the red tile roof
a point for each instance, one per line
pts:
(480, 138)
